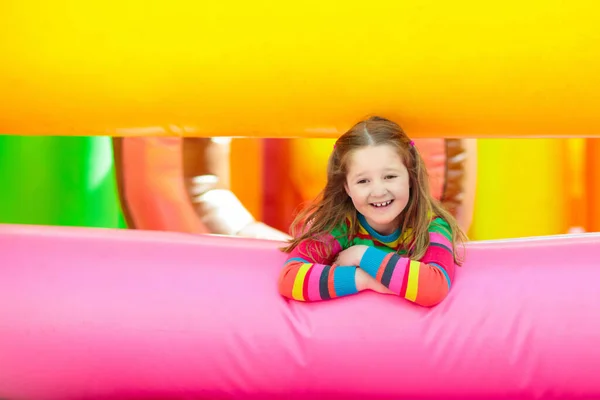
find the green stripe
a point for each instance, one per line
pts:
(440, 226)
(358, 240)
(340, 234)
(371, 243)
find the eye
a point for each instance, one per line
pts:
(391, 176)
(362, 181)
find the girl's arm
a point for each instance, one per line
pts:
(308, 276)
(426, 281)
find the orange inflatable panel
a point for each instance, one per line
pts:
(195, 68)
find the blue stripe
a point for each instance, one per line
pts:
(382, 238)
(323, 283)
(443, 246)
(344, 281)
(371, 260)
(302, 260)
(443, 272)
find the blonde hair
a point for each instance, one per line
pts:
(333, 206)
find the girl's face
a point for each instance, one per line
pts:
(378, 184)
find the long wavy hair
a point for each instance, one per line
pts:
(333, 206)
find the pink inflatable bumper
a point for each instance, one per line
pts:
(104, 314)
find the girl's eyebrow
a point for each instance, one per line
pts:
(360, 174)
(356, 175)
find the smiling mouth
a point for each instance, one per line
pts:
(383, 204)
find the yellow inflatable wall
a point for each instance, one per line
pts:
(522, 188)
(464, 68)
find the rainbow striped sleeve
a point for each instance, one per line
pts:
(425, 282)
(306, 276)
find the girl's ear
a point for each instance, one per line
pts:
(346, 188)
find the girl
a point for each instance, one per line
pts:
(374, 226)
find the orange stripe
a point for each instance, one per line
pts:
(382, 266)
(287, 280)
(330, 283)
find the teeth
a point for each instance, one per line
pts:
(382, 204)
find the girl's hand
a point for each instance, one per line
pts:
(365, 281)
(351, 256)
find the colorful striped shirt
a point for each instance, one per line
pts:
(308, 275)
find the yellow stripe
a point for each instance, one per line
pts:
(298, 290)
(394, 244)
(361, 229)
(412, 287)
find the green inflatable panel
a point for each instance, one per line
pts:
(58, 180)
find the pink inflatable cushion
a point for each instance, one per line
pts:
(93, 313)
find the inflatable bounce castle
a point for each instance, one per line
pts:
(186, 305)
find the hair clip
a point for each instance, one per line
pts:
(412, 143)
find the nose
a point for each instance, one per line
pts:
(379, 189)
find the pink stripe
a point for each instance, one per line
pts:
(313, 282)
(302, 250)
(439, 238)
(336, 246)
(308, 249)
(441, 257)
(398, 274)
(438, 255)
